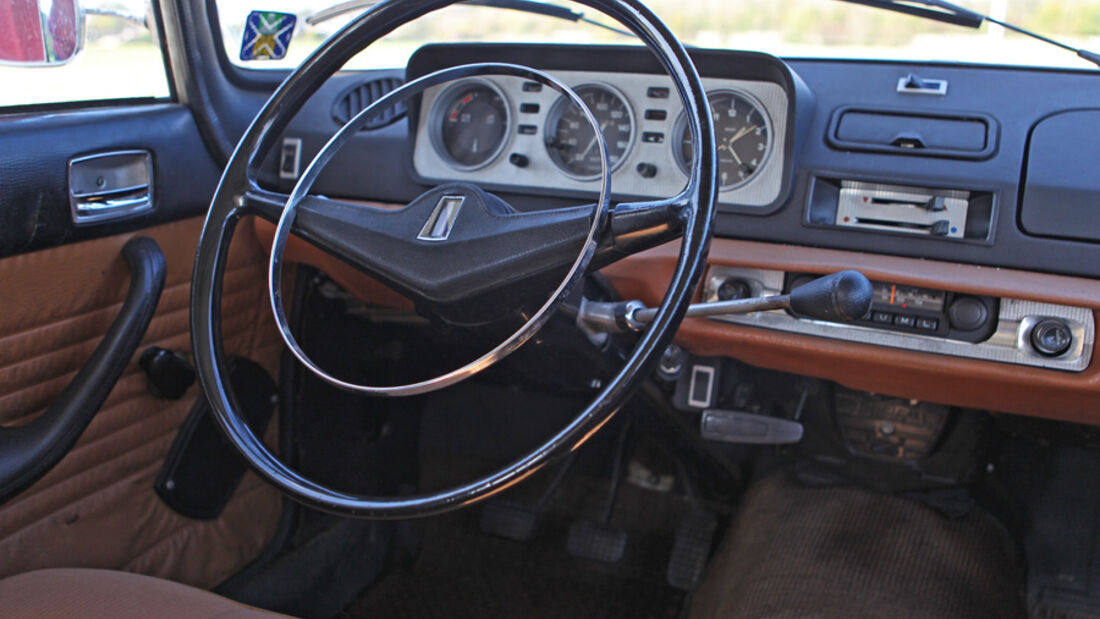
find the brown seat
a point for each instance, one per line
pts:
(91, 594)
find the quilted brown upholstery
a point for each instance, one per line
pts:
(103, 594)
(97, 507)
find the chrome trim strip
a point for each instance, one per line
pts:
(1008, 344)
(442, 220)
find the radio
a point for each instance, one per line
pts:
(923, 311)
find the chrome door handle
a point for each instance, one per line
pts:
(110, 186)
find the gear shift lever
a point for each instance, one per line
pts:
(839, 297)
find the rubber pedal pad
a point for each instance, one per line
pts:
(509, 519)
(596, 541)
(691, 549)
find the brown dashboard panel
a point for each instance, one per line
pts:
(951, 380)
(364, 287)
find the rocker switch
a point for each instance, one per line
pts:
(290, 156)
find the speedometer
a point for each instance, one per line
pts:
(470, 124)
(571, 140)
(741, 133)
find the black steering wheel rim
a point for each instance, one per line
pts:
(226, 209)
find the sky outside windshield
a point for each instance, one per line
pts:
(790, 28)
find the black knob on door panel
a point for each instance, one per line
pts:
(1051, 337)
(169, 372)
(968, 313)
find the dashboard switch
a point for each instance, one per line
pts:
(905, 320)
(657, 92)
(936, 204)
(289, 158)
(1051, 337)
(656, 114)
(653, 137)
(928, 324)
(519, 160)
(647, 170)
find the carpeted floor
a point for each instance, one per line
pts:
(843, 552)
(462, 572)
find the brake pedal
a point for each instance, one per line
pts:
(691, 549)
(596, 541)
(517, 521)
(599, 541)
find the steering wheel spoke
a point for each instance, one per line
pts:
(638, 226)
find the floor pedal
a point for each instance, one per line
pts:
(509, 519)
(691, 549)
(596, 541)
(518, 521)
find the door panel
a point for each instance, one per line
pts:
(97, 507)
(35, 150)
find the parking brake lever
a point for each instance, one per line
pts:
(839, 297)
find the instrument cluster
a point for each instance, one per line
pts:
(510, 133)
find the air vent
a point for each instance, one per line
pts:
(356, 99)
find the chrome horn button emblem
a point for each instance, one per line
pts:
(442, 220)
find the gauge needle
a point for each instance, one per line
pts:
(595, 136)
(729, 147)
(742, 133)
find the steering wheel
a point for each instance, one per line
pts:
(401, 248)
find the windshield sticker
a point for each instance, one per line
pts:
(267, 35)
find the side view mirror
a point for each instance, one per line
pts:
(40, 32)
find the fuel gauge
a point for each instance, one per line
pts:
(470, 124)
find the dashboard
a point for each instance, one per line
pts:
(966, 193)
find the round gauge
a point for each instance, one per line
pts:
(742, 134)
(571, 140)
(470, 124)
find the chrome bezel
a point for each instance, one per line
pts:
(555, 115)
(681, 125)
(444, 100)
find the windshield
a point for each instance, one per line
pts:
(786, 28)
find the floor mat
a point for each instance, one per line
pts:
(843, 552)
(464, 573)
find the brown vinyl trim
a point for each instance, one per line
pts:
(950, 380)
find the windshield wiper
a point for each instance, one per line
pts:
(525, 6)
(947, 12)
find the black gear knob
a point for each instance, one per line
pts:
(840, 297)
